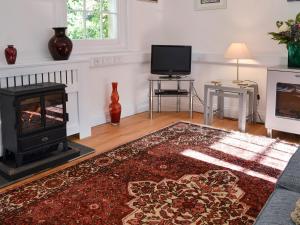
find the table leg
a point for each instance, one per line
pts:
(178, 104)
(159, 98)
(251, 106)
(242, 111)
(255, 103)
(270, 133)
(178, 97)
(205, 105)
(221, 104)
(191, 99)
(211, 108)
(151, 99)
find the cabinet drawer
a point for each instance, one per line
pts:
(43, 138)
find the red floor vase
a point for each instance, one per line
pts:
(115, 107)
(11, 54)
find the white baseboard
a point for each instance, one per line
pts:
(229, 112)
(72, 129)
(104, 118)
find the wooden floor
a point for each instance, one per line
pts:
(105, 137)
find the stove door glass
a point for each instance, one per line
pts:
(30, 115)
(288, 101)
(54, 110)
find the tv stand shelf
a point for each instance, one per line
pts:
(171, 92)
(177, 92)
(170, 77)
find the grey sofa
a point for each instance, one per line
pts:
(283, 200)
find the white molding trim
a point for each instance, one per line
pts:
(259, 60)
(138, 57)
(6, 68)
(127, 57)
(229, 112)
(98, 119)
(119, 58)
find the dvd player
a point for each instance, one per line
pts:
(171, 92)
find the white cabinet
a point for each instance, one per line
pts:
(283, 100)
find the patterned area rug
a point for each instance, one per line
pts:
(182, 174)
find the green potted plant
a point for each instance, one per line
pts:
(289, 34)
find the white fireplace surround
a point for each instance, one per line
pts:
(71, 73)
(276, 75)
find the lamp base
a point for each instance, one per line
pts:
(237, 81)
(216, 82)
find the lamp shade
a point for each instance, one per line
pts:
(237, 51)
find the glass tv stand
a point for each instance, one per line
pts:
(177, 92)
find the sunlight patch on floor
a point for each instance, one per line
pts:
(267, 153)
(208, 159)
(266, 160)
(285, 147)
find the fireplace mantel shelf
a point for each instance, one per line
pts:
(42, 63)
(284, 68)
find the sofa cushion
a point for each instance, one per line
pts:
(290, 178)
(278, 209)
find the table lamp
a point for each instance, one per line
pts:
(237, 51)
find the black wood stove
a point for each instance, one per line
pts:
(33, 121)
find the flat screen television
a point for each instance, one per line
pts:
(171, 60)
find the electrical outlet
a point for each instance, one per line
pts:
(117, 59)
(97, 61)
(108, 60)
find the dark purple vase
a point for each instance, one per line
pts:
(60, 46)
(11, 54)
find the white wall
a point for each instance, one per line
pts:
(144, 28)
(244, 20)
(145, 24)
(210, 32)
(27, 25)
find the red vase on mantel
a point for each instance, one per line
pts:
(115, 107)
(11, 54)
(60, 46)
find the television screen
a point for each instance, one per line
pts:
(171, 60)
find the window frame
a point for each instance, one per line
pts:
(93, 46)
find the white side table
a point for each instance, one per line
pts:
(231, 90)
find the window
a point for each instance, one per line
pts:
(93, 19)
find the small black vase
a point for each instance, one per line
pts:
(60, 46)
